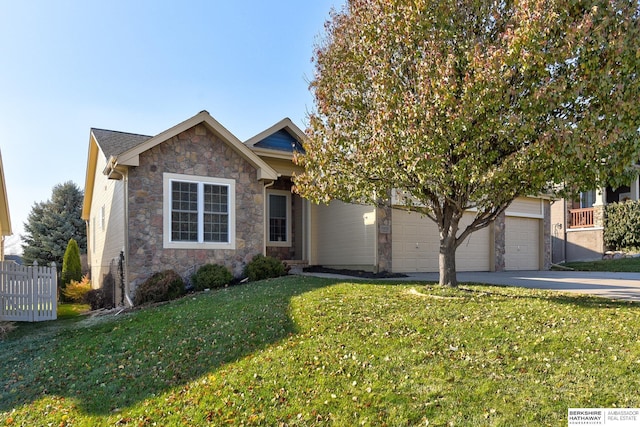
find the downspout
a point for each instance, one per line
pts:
(90, 243)
(125, 248)
(265, 217)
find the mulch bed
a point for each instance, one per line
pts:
(354, 273)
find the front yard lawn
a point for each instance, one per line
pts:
(629, 265)
(309, 351)
(69, 310)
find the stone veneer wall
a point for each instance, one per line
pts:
(198, 152)
(499, 242)
(546, 241)
(598, 215)
(384, 224)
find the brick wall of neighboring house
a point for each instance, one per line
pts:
(197, 152)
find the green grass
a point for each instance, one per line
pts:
(303, 351)
(69, 310)
(631, 265)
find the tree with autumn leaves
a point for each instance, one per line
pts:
(464, 105)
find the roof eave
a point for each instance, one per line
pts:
(264, 171)
(5, 217)
(89, 180)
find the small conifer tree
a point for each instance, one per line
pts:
(71, 265)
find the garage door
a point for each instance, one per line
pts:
(416, 242)
(522, 243)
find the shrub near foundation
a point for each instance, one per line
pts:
(162, 286)
(622, 225)
(264, 267)
(211, 276)
(77, 291)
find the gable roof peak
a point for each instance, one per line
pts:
(262, 140)
(113, 143)
(130, 157)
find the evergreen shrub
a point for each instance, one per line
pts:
(622, 225)
(96, 299)
(211, 276)
(162, 286)
(71, 265)
(264, 267)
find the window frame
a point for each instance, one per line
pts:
(287, 195)
(586, 197)
(168, 243)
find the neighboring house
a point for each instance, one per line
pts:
(577, 226)
(15, 258)
(195, 194)
(5, 218)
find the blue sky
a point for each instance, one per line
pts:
(141, 66)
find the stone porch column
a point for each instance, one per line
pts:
(635, 189)
(598, 207)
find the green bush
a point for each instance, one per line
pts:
(622, 225)
(211, 276)
(77, 291)
(162, 286)
(71, 266)
(264, 267)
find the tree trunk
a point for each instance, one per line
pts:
(447, 261)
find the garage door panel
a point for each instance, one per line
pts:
(522, 243)
(474, 253)
(416, 242)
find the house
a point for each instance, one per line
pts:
(578, 225)
(195, 194)
(5, 218)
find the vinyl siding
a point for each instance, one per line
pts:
(526, 206)
(105, 243)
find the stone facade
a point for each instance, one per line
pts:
(546, 240)
(499, 242)
(197, 152)
(598, 215)
(384, 221)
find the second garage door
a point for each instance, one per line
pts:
(415, 245)
(522, 243)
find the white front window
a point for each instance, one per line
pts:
(199, 212)
(279, 222)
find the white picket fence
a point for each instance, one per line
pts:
(28, 294)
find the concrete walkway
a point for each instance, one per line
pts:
(624, 286)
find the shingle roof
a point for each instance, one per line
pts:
(114, 143)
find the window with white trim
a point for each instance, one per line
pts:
(279, 222)
(199, 212)
(587, 199)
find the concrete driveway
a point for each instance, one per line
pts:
(625, 286)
